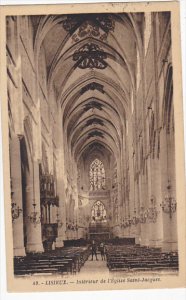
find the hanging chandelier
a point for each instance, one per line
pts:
(152, 212)
(15, 211)
(169, 203)
(34, 217)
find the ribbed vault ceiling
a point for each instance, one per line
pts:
(91, 63)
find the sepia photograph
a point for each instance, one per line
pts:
(95, 172)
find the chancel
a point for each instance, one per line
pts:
(91, 142)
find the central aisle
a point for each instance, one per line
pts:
(95, 266)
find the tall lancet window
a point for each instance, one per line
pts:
(97, 175)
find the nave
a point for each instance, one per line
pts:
(91, 141)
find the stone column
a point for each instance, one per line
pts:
(131, 203)
(34, 239)
(127, 209)
(173, 216)
(61, 230)
(148, 197)
(137, 206)
(156, 225)
(168, 173)
(16, 182)
(144, 227)
(61, 214)
(80, 232)
(60, 172)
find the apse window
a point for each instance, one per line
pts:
(97, 175)
(98, 212)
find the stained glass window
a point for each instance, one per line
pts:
(98, 212)
(97, 175)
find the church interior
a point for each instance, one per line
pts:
(91, 141)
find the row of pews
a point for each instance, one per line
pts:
(62, 261)
(139, 258)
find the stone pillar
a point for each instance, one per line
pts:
(144, 227)
(168, 179)
(73, 235)
(61, 229)
(173, 216)
(61, 214)
(132, 228)
(61, 175)
(80, 232)
(34, 239)
(137, 207)
(148, 197)
(156, 225)
(127, 209)
(16, 182)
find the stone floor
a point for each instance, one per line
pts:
(95, 266)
